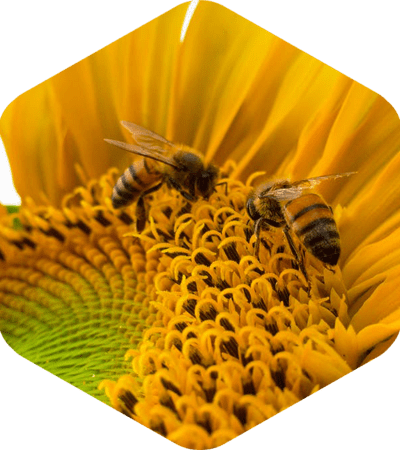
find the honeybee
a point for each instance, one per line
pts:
(284, 204)
(181, 167)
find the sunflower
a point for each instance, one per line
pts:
(181, 327)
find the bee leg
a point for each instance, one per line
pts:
(178, 188)
(257, 229)
(296, 254)
(187, 196)
(141, 215)
(330, 268)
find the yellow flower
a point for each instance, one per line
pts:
(192, 335)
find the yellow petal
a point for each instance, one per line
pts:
(303, 87)
(373, 259)
(384, 301)
(378, 199)
(326, 368)
(379, 349)
(34, 145)
(236, 51)
(373, 335)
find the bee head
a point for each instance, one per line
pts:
(251, 207)
(205, 182)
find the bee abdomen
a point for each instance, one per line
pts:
(321, 238)
(132, 183)
(302, 210)
(123, 194)
(312, 221)
(308, 208)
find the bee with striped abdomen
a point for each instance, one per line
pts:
(179, 166)
(288, 205)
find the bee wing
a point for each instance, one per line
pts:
(297, 187)
(310, 182)
(143, 152)
(283, 194)
(149, 139)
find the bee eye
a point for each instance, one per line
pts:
(205, 182)
(251, 209)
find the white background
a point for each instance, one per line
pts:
(8, 194)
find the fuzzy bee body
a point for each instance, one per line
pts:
(287, 205)
(180, 167)
(138, 177)
(312, 221)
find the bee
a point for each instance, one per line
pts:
(285, 204)
(178, 166)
